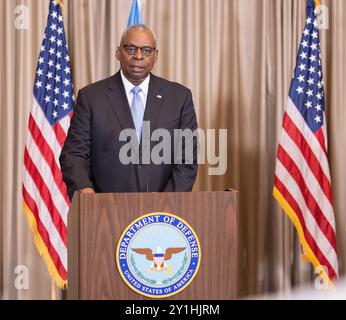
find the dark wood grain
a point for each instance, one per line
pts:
(97, 221)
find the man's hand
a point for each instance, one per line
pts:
(86, 190)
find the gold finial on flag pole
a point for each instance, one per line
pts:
(61, 4)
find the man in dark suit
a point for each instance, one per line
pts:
(90, 160)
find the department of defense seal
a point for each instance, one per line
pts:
(158, 255)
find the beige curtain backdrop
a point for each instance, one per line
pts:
(237, 56)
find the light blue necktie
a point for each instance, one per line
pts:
(137, 110)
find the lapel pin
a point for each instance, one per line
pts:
(159, 96)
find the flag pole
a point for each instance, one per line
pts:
(52, 290)
(52, 282)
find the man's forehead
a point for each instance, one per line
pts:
(140, 36)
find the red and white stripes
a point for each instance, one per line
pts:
(44, 192)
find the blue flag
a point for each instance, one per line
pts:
(135, 14)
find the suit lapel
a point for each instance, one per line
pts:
(154, 101)
(118, 100)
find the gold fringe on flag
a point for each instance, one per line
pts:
(42, 249)
(308, 253)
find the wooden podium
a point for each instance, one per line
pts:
(95, 223)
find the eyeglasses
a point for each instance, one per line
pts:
(132, 50)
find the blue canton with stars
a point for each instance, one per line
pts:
(307, 85)
(53, 84)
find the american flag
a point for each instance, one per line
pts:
(45, 200)
(302, 176)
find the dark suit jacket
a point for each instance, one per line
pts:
(90, 156)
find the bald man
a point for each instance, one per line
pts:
(91, 158)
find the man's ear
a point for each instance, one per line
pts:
(156, 56)
(117, 53)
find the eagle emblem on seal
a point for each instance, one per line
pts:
(159, 257)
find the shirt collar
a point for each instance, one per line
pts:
(129, 86)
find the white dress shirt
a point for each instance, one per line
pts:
(129, 86)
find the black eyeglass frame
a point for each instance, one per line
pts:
(143, 49)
